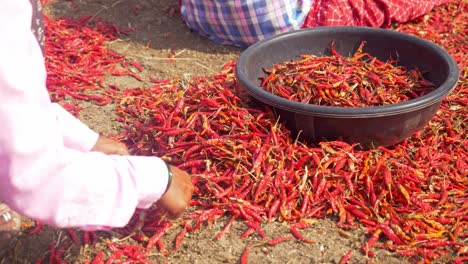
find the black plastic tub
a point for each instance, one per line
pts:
(369, 126)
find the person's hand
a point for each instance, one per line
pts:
(110, 146)
(176, 199)
(10, 223)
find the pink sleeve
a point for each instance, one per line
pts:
(41, 175)
(76, 135)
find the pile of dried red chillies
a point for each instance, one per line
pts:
(78, 60)
(411, 198)
(358, 81)
(247, 167)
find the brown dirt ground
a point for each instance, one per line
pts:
(160, 25)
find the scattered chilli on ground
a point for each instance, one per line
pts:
(411, 198)
(78, 61)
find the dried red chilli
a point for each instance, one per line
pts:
(277, 240)
(98, 259)
(294, 228)
(179, 238)
(72, 235)
(132, 252)
(37, 228)
(44, 2)
(245, 255)
(55, 254)
(358, 81)
(226, 228)
(162, 229)
(346, 257)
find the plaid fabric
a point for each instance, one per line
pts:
(243, 22)
(372, 13)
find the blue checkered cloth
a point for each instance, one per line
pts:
(243, 22)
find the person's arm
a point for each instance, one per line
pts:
(40, 176)
(76, 135)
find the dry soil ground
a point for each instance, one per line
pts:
(160, 32)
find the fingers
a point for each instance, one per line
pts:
(10, 221)
(171, 208)
(5, 217)
(110, 146)
(176, 200)
(122, 150)
(3, 207)
(176, 210)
